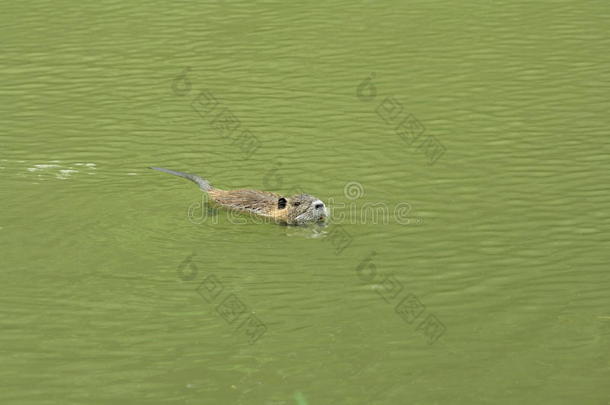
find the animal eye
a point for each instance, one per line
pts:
(296, 204)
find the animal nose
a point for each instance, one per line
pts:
(319, 206)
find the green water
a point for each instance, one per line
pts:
(465, 260)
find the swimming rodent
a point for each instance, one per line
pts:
(298, 209)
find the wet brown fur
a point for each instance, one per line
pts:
(262, 203)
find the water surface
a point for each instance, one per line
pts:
(469, 273)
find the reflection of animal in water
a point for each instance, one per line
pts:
(295, 210)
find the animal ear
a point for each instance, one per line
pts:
(281, 203)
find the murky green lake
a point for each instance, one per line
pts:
(463, 150)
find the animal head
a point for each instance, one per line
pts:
(303, 208)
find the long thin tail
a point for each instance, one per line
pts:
(203, 184)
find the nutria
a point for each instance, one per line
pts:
(296, 210)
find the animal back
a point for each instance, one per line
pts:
(258, 202)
